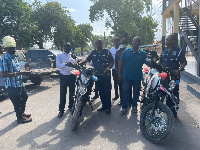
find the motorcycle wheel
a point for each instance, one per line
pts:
(76, 114)
(157, 128)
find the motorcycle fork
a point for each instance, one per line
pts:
(153, 111)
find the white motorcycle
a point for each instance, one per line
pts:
(157, 120)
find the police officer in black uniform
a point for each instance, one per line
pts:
(173, 58)
(103, 61)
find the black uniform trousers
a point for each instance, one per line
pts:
(104, 87)
(169, 101)
(66, 81)
(114, 75)
(18, 96)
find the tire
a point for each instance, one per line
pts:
(36, 81)
(163, 123)
(76, 113)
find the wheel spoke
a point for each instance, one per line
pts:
(157, 124)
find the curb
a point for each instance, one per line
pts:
(195, 87)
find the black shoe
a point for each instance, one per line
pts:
(120, 103)
(175, 115)
(107, 111)
(101, 109)
(95, 97)
(60, 114)
(115, 98)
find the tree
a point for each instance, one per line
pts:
(64, 32)
(47, 18)
(124, 16)
(107, 41)
(147, 24)
(15, 21)
(86, 30)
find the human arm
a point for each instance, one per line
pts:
(59, 63)
(177, 72)
(5, 65)
(116, 62)
(110, 61)
(6, 74)
(120, 70)
(182, 60)
(83, 62)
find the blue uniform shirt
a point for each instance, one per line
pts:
(99, 58)
(173, 58)
(133, 62)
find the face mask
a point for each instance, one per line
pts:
(11, 51)
(122, 46)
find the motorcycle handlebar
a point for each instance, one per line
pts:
(158, 66)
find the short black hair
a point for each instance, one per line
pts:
(137, 37)
(67, 45)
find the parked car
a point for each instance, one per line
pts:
(42, 63)
(44, 55)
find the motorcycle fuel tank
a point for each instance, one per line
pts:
(154, 81)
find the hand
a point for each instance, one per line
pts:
(176, 72)
(106, 70)
(119, 78)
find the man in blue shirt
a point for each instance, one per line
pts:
(173, 58)
(11, 73)
(131, 60)
(103, 61)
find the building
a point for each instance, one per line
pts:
(185, 25)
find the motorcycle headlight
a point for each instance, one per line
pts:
(172, 85)
(84, 79)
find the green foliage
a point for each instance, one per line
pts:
(48, 18)
(107, 41)
(125, 16)
(15, 21)
(147, 24)
(86, 30)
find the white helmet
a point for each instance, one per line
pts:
(9, 41)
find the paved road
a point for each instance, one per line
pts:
(96, 131)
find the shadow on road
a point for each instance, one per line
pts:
(6, 114)
(181, 136)
(122, 131)
(9, 128)
(32, 89)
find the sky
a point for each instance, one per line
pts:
(79, 10)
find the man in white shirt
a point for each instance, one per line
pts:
(66, 78)
(113, 51)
